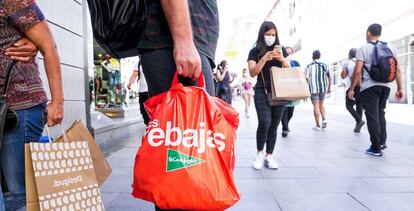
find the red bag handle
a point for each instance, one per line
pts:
(200, 80)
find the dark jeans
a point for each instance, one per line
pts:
(287, 115)
(374, 101)
(357, 114)
(142, 97)
(269, 118)
(159, 69)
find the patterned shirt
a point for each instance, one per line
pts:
(317, 74)
(26, 87)
(204, 21)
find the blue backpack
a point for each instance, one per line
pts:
(384, 63)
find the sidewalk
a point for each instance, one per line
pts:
(325, 170)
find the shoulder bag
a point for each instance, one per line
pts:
(8, 118)
(270, 99)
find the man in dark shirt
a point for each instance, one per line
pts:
(180, 36)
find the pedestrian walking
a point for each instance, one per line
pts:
(266, 54)
(246, 91)
(142, 90)
(23, 18)
(319, 81)
(346, 74)
(179, 36)
(290, 107)
(223, 77)
(376, 83)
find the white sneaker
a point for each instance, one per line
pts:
(258, 161)
(270, 162)
(324, 124)
(317, 128)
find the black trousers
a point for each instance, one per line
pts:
(142, 97)
(349, 103)
(287, 115)
(269, 119)
(374, 101)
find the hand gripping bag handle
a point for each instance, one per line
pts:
(200, 80)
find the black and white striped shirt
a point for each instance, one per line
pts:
(317, 74)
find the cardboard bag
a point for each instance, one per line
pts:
(288, 84)
(79, 132)
(61, 176)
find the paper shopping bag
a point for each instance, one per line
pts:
(64, 177)
(288, 84)
(186, 159)
(79, 132)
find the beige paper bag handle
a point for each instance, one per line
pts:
(65, 138)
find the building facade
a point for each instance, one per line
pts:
(69, 23)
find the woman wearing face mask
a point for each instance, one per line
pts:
(261, 58)
(246, 90)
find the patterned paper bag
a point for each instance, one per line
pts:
(64, 177)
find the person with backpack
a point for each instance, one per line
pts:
(319, 81)
(346, 74)
(377, 63)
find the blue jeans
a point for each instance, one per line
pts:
(31, 123)
(1, 200)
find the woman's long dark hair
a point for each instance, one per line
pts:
(222, 65)
(260, 42)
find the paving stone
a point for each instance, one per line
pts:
(318, 202)
(395, 185)
(349, 172)
(247, 173)
(335, 185)
(386, 201)
(256, 202)
(289, 162)
(254, 186)
(125, 202)
(285, 172)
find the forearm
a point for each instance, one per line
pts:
(399, 81)
(54, 74)
(178, 18)
(285, 63)
(256, 68)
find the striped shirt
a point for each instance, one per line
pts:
(317, 74)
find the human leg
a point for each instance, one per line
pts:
(143, 96)
(384, 95)
(159, 69)
(276, 116)
(263, 111)
(349, 103)
(370, 103)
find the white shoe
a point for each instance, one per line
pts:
(258, 161)
(317, 128)
(270, 162)
(324, 124)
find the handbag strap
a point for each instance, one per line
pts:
(264, 83)
(7, 81)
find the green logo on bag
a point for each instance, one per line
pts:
(177, 160)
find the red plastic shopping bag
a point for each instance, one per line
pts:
(186, 159)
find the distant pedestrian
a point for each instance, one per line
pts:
(261, 58)
(223, 78)
(290, 107)
(374, 94)
(246, 91)
(319, 80)
(347, 71)
(142, 90)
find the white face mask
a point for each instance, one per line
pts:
(269, 40)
